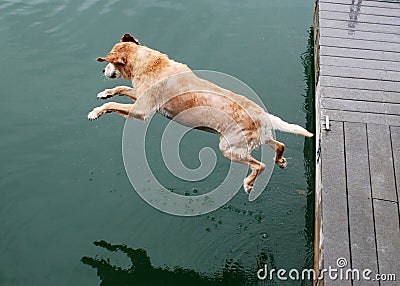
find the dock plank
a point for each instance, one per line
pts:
(360, 94)
(360, 63)
(362, 117)
(360, 106)
(361, 220)
(395, 140)
(366, 3)
(387, 238)
(360, 44)
(360, 54)
(336, 235)
(361, 18)
(365, 10)
(360, 35)
(360, 73)
(381, 162)
(360, 26)
(367, 84)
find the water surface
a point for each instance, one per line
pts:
(69, 215)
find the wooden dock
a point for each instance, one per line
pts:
(357, 64)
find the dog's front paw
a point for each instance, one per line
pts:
(107, 93)
(94, 114)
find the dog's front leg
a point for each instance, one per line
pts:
(125, 110)
(119, 90)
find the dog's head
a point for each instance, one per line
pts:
(120, 59)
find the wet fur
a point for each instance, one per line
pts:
(170, 88)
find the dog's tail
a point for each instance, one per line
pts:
(281, 125)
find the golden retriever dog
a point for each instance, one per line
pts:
(173, 90)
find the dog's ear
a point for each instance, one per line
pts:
(112, 59)
(129, 38)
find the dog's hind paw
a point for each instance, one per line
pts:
(281, 163)
(247, 187)
(107, 93)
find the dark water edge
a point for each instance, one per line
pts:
(309, 146)
(141, 270)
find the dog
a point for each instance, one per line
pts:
(172, 89)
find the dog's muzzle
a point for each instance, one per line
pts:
(110, 71)
(112, 75)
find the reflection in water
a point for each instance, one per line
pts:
(141, 272)
(309, 146)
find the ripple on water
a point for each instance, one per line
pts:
(57, 10)
(86, 5)
(6, 5)
(108, 7)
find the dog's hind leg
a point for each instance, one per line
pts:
(279, 148)
(241, 155)
(119, 90)
(256, 168)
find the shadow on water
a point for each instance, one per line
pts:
(309, 145)
(142, 272)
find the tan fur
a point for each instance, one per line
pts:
(172, 89)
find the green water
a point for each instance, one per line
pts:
(68, 214)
